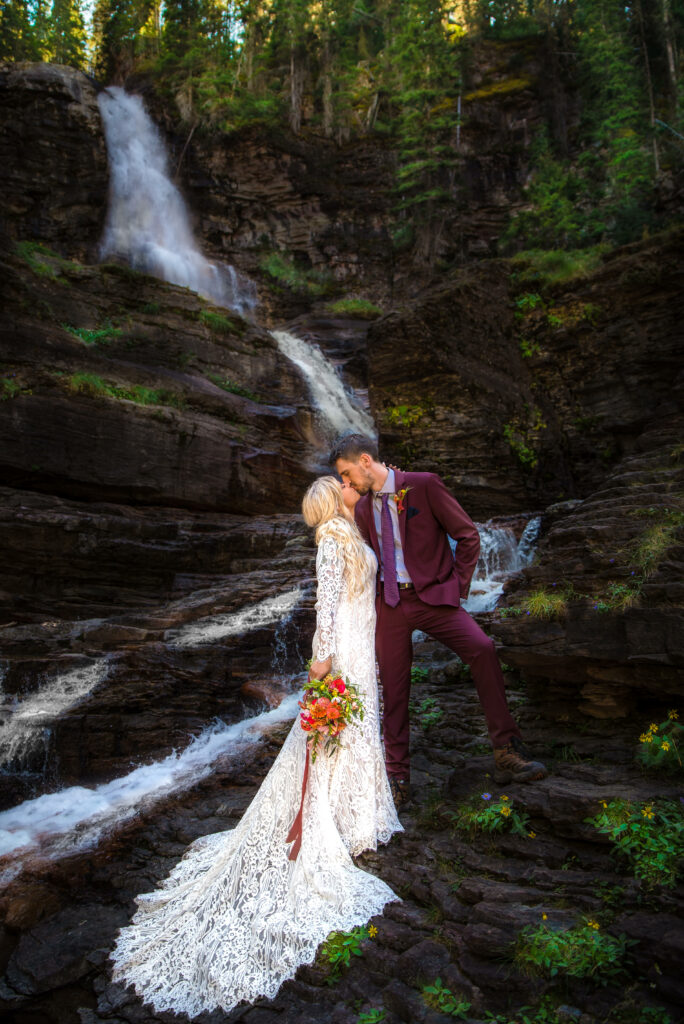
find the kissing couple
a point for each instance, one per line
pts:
(240, 913)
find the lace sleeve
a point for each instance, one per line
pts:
(329, 569)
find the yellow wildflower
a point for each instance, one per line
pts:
(666, 746)
(594, 924)
(532, 835)
(372, 931)
(673, 715)
(653, 727)
(603, 803)
(647, 812)
(645, 738)
(648, 738)
(544, 917)
(505, 811)
(504, 798)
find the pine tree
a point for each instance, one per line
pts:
(17, 34)
(67, 35)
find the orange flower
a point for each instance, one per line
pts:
(332, 713)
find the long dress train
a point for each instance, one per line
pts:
(235, 918)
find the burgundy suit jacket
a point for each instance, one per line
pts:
(430, 514)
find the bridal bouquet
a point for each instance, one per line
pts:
(329, 706)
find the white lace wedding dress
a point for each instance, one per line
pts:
(236, 917)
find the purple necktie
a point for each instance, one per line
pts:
(389, 564)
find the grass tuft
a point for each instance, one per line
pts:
(361, 308)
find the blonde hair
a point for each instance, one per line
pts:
(324, 508)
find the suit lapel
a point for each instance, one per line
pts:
(401, 516)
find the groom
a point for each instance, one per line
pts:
(406, 518)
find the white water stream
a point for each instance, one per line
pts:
(147, 221)
(216, 627)
(500, 555)
(25, 719)
(76, 818)
(335, 404)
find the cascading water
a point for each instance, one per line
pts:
(500, 555)
(147, 222)
(217, 627)
(25, 720)
(76, 818)
(336, 406)
(148, 226)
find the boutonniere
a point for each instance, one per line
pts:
(399, 499)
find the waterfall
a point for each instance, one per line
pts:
(216, 627)
(75, 818)
(25, 720)
(500, 555)
(328, 393)
(147, 222)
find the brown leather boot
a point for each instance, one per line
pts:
(401, 791)
(512, 763)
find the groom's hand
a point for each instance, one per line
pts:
(320, 669)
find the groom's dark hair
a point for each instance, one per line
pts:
(351, 446)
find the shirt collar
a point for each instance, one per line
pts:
(388, 487)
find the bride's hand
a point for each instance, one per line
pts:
(320, 669)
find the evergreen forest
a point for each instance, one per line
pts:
(399, 70)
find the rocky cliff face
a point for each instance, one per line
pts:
(54, 180)
(520, 398)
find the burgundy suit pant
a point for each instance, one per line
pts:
(455, 628)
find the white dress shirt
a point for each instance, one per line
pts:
(389, 487)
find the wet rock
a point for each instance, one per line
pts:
(62, 949)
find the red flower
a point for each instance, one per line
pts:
(339, 685)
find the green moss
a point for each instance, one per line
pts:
(102, 335)
(524, 439)
(556, 266)
(232, 388)
(361, 308)
(283, 271)
(219, 323)
(42, 260)
(652, 545)
(95, 386)
(498, 89)
(404, 415)
(10, 389)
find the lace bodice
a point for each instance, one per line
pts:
(236, 917)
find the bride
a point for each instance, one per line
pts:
(236, 917)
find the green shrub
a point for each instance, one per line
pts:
(373, 1016)
(580, 952)
(619, 596)
(660, 747)
(482, 814)
(10, 389)
(404, 415)
(546, 604)
(283, 271)
(438, 997)
(428, 712)
(102, 335)
(339, 948)
(524, 437)
(650, 836)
